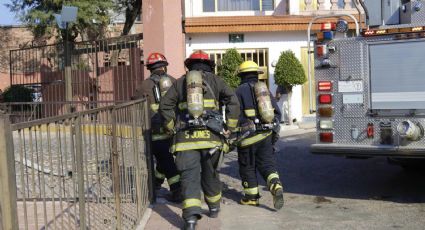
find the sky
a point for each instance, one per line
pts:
(7, 17)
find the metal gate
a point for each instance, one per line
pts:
(101, 70)
(85, 170)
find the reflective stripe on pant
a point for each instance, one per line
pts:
(198, 170)
(165, 163)
(261, 157)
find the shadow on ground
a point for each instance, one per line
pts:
(338, 177)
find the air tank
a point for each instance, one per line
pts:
(265, 108)
(164, 84)
(195, 93)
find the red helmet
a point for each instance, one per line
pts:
(199, 56)
(156, 60)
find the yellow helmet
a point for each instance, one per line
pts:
(249, 66)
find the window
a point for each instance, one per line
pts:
(237, 5)
(260, 56)
(208, 5)
(267, 5)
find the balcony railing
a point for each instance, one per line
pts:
(323, 7)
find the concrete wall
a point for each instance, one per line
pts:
(162, 20)
(276, 42)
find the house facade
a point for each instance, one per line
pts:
(260, 30)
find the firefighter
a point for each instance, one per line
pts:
(259, 116)
(155, 88)
(191, 109)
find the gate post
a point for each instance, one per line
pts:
(80, 171)
(116, 169)
(8, 209)
(149, 157)
(68, 72)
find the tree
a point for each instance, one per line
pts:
(93, 16)
(289, 72)
(229, 66)
(132, 9)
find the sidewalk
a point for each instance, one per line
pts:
(166, 215)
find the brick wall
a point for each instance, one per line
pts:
(11, 37)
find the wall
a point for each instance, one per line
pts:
(193, 8)
(276, 42)
(163, 32)
(11, 37)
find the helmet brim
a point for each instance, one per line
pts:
(188, 62)
(157, 65)
(256, 71)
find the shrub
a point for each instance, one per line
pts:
(18, 93)
(228, 68)
(289, 71)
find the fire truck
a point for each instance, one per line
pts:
(370, 87)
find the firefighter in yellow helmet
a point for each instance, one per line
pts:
(192, 109)
(155, 88)
(260, 117)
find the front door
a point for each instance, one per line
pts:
(305, 87)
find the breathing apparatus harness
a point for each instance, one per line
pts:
(210, 119)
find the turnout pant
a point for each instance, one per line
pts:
(259, 156)
(198, 169)
(165, 166)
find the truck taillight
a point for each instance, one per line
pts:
(325, 86)
(325, 99)
(326, 137)
(321, 50)
(326, 124)
(328, 26)
(325, 112)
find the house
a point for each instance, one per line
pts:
(260, 30)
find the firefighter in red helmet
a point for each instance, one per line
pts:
(155, 88)
(192, 110)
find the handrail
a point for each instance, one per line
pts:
(48, 120)
(310, 100)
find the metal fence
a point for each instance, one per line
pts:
(102, 70)
(86, 170)
(29, 111)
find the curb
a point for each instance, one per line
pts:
(145, 218)
(295, 132)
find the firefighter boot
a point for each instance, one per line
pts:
(190, 223)
(252, 200)
(214, 212)
(277, 191)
